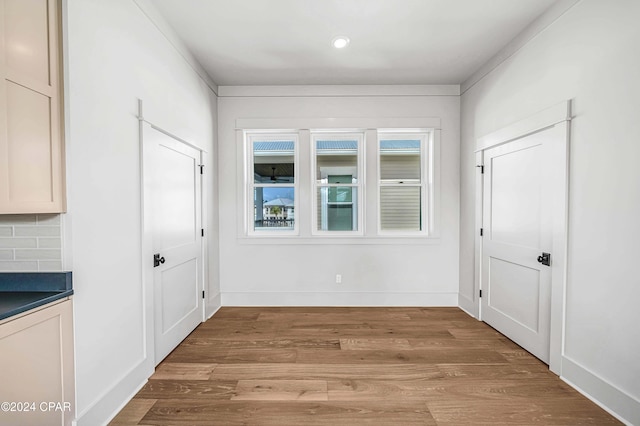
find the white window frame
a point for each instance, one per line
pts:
(359, 137)
(264, 136)
(427, 158)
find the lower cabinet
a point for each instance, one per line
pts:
(36, 367)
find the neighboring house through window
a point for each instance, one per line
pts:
(272, 188)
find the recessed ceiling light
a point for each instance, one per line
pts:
(340, 42)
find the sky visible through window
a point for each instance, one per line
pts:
(273, 193)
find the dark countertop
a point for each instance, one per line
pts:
(16, 302)
(22, 291)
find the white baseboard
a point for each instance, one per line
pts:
(468, 305)
(339, 299)
(616, 402)
(109, 404)
(213, 305)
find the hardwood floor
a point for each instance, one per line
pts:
(354, 366)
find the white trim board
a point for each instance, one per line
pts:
(329, 123)
(142, 119)
(214, 303)
(468, 305)
(340, 90)
(365, 299)
(541, 120)
(615, 401)
(110, 402)
(420, 240)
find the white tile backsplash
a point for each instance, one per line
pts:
(38, 254)
(48, 219)
(18, 219)
(36, 231)
(19, 266)
(50, 265)
(30, 242)
(46, 242)
(19, 242)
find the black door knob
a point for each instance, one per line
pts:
(545, 259)
(157, 260)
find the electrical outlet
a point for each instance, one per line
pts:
(338, 279)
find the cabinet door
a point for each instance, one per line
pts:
(31, 151)
(36, 367)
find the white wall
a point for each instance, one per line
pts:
(115, 56)
(589, 55)
(301, 271)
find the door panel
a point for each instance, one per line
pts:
(517, 203)
(515, 292)
(516, 197)
(175, 202)
(177, 215)
(179, 286)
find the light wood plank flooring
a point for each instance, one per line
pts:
(354, 366)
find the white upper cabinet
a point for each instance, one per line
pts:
(31, 147)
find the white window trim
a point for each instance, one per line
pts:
(359, 136)
(262, 136)
(305, 161)
(426, 137)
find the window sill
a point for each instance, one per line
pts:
(338, 240)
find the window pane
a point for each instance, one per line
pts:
(274, 208)
(337, 158)
(400, 160)
(400, 208)
(337, 208)
(340, 194)
(273, 162)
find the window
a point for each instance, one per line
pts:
(337, 182)
(311, 184)
(403, 176)
(272, 188)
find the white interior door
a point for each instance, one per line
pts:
(520, 197)
(176, 216)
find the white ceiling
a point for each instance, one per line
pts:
(288, 42)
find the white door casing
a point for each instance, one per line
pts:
(173, 223)
(523, 203)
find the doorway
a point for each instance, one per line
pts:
(173, 234)
(523, 231)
